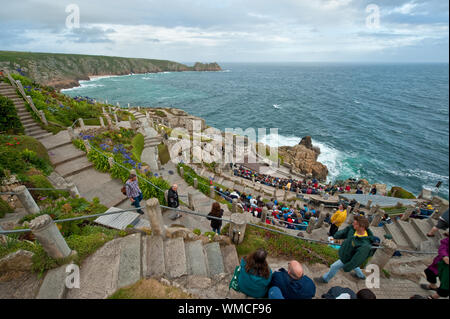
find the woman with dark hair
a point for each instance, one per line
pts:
(216, 211)
(255, 275)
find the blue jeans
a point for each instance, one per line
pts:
(338, 265)
(137, 202)
(275, 293)
(216, 230)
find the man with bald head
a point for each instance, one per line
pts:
(291, 284)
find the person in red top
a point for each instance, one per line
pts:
(347, 188)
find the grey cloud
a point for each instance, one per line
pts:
(89, 35)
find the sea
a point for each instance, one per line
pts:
(387, 123)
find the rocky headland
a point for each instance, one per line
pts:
(303, 157)
(63, 71)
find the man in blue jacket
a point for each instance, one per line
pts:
(291, 284)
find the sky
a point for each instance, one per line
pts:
(232, 30)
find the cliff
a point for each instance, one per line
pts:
(303, 157)
(65, 70)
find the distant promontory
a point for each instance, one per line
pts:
(66, 70)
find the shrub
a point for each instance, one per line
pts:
(401, 193)
(40, 181)
(4, 208)
(9, 120)
(18, 154)
(138, 145)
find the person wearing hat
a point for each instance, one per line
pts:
(134, 193)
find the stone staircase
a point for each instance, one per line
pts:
(72, 165)
(124, 261)
(32, 128)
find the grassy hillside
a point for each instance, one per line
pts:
(65, 70)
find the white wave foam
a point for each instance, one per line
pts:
(100, 77)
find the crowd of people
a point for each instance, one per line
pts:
(255, 278)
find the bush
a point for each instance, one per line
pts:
(401, 193)
(18, 154)
(5, 208)
(9, 120)
(138, 146)
(40, 181)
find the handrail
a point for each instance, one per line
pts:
(93, 148)
(71, 219)
(283, 233)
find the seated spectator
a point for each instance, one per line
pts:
(385, 220)
(291, 284)
(347, 188)
(234, 194)
(359, 191)
(346, 293)
(373, 191)
(255, 275)
(270, 204)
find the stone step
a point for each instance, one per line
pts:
(214, 258)
(89, 180)
(397, 235)
(34, 128)
(73, 167)
(155, 264)
(41, 136)
(108, 192)
(64, 154)
(58, 140)
(54, 284)
(423, 227)
(27, 121)
(195, 258)
(31, 126)
(410, 233)
(130, 261)
(99, 272)
(230, 258)
(175, 258)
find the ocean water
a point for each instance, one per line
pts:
(386, 123)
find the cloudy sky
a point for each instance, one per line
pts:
(233, 30)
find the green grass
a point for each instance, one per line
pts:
(138, 145)
(163, 154)
(400, 193)
(278, 245)
(394, 210)
(4, 208)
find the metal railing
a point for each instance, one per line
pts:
(286, 234)
(126, 168)
(5, 232)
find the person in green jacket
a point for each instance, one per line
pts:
(354, 250)
(255, 275)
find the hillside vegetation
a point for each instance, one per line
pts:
(65, 70)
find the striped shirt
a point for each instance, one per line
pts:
(133, 189)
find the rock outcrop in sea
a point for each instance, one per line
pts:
(303, 157)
